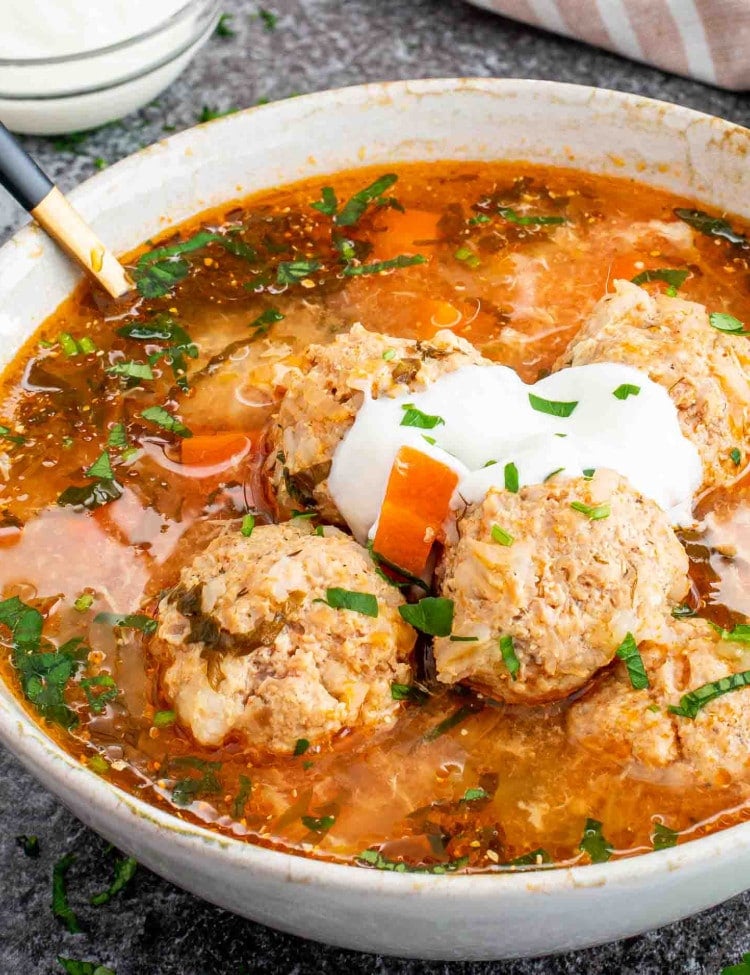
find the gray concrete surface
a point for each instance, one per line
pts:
(155, 928)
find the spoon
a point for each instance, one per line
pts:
(37, 194)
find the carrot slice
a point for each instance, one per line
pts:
(210, 450)
(404, 233)
(416, 504)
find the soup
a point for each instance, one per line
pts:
(148, 446)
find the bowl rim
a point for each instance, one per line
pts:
(189, 9)
(21, 734)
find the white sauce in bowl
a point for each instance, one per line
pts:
(488, 416)
(53, 28)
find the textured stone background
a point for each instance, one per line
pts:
(154, 928)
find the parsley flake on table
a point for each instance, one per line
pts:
(125, 869)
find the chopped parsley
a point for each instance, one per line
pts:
(128, 621)
(554, 473)
(511, 478)
(74, 967)
(355, 207)
(164, 419)
(247, 526)
(408, 692)
(104, 489)
(132, 370)
(674, 278)
(29, 845)
(164, 719)
(7, 434)
(663, 837)
(117, 436)
(467, 256)
(531, 859)
(501, 536)
(403, 260)
(269, 18)
(44, 670)
(301, 747)
(508, 653)
(528, 220)
(375, 859)
(593, 512)
(163, 328)
(158, 271)
(432, 615)
(692, 702)
(735, 456)
(125, 869)
(318, 824)
(208, 114)
(358, 602)
(738, 634)
(416, 418)
(243, 794)
(630, 655)
(84, 602)
(101, 468)
(704, 223)
(204, 784)
(291, 272)
(458, 716)
(60, 907)
(223, 28)
(552, 407)
(727, 323)
(99, 691)
(328, 202)
(265, 320)
(625, 390)
(475, 795)
(594, 843)
(409, 577)
(742, 968)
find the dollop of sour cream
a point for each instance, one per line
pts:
(601, 415)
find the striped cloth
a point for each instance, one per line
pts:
(704, 39)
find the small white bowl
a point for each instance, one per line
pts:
(48, 96)
(448, 917)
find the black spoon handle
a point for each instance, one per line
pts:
(25, 181)
(19, 174)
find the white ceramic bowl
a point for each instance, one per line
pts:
(449, 917)
(48, 96)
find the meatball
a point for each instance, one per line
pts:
(636, 727)
(322, 401)
(704, 370)
(250, 648)
(566, 590)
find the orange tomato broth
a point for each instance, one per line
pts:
(518, 293)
